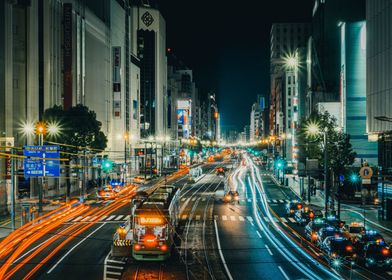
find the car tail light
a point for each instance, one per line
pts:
(333, 255)
(291, 211)
(349, 248)
(311, 215)
(164, 247)
(314, 236)
(299, 206)
(385, 252)
(137, 247)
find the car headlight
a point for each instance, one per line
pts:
(336, 262)
(388, 261)
(370, 260)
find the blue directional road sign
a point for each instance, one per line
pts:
(41, 161)
(341, 178)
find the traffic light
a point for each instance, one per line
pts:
(280, 164)
(107, 165)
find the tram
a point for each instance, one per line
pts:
(154, 222)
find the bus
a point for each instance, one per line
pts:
(154, 223)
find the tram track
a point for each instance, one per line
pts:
(150, 271)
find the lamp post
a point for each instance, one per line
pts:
(313, 129)
(125, 156)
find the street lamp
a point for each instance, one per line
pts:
(312, 129)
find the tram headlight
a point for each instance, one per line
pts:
(137, 247)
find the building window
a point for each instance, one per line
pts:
(289, 91)
(289, 112)
(289, 102)
(293, 80)
(289, 80)
(15, 83)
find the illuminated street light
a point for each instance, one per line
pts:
(291, 61)
(312, 129)
(27, 128)
(53, 129)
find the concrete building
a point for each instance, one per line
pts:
(256, 119)
(67, 53)
(149, 29)
(353, 90)
(285, 40)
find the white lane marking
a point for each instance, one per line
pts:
(109, 278)
(291, 220)
(252, 224)
(119, 217)
(183, 199)
(389, 272)
(184, 217)
(284, 273)
(73, 248)
(276, 219)
(269, 250)
(250, 219)
(232, 218)
(114, 267)
(111, 217)
(241, 218)
(116, 261)
(193, 199)
(283, 219)
(258, 233)
(197, 217)
(216, 217)
(220, 252)
(224, 217)
(78, 218)
(103, 218)
(113, 272)
(266, 219)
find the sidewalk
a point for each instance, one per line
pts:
(349, 213)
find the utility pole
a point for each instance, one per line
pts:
(325, 173)
(13, 186)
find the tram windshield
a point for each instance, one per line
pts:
(150, 229)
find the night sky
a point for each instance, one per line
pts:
(226, 43)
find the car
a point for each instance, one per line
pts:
(367, 237)
(303, 217)
(354, 230)
(312, 228)
(220, 171)
(338, 251)
(325, 232)
(333, 221)
(231, 196)
(376, 255)
(292, 207)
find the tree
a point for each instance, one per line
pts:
(311, 146)
(80, 129)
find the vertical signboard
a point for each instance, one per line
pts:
(67, 36)
(117, 82)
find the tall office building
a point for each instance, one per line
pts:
(286, 39)
(149, 28)
(379, 78)
(353, 90)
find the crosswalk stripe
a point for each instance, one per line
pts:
(193, 199)
(203, 199)
(197, 217)
(232, 218)
(113, 272)
(269, 200)
(250, 219)
(103, 218)
(216, 217)
(85, 219)
(291, 220)
(93, 218)
(283, 219)
(114, 267)
(274, 201)
(241, 218)
(115, 261)
(111, 218)
(281, 200)
(224, 218)
(78, 218)
(249, 200)
(276, 220)
(184, 217)
(119, 217)
(126, 217)
(183, 199)
(287, 201)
